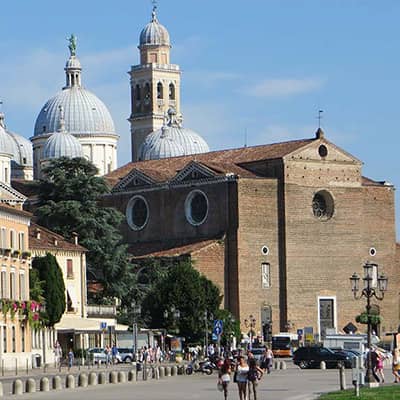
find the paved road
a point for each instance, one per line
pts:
(290, 384)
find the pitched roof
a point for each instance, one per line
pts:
(48, 238)
(172, 249)
(225, 160)
(13, 210)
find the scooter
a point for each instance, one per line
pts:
(204, 367)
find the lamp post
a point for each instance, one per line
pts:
(375, 285)
(205, 334)
(136, 310)
(250, 323)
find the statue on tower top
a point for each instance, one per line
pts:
(72, 44)
(154, 12)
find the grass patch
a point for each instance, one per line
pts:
(380, 393)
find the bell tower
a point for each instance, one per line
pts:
(155, 84)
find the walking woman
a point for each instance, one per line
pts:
(254, 375)
(242, 369)
(396, 365)
(225, 376)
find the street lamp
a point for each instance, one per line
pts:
(250, 323)
(136, 310)
(375, 285)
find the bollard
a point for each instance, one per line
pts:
(1, 389)
(276, 364)
(342, 378)
(102, 378)
(121, 377)
(113, 377)
(82, 379)
(174, 370)
(56, 382)
(92, 379)
(44, 384)
(161, 371)
(167, 371)
(132, 376)
(30, 385)
(322, 365)
(17, 387)
(283, 365)
(70, 382)
(181, 370)
(156, 373)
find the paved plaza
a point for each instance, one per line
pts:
(290, 384)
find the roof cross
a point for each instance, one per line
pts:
(319, 117)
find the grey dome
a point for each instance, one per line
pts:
(6, 142)
(172, 140)
(154, 33)
(22, 150)
(62, 144)
(84, 113)
(73, 63)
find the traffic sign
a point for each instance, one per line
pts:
(218, 327)
(300, 332)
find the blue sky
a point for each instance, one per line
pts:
(261, 67)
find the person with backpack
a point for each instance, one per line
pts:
(253, 376)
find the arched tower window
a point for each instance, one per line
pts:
(171, 91)
(137, 92)
(147, 97)
(160, 91)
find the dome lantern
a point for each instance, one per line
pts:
(73, 68)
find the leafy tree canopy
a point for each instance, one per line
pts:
(49, 280)
(183, 288)
(69, 196)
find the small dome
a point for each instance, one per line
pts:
(22, 150)
(181, 141)
(73, 63)
(6, 142)
(154, 33)
(84, 112)
(62, 144)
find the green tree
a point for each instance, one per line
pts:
(49, 273)
(183, 289)
(69, 196)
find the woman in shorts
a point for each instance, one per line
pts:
(225, 376)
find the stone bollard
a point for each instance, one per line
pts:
(92, 379)
(102, 378)
(342, 378)
(17, 387)
(121, 377)
(82, 380)
(276, 364)
(283, 365)
(113, 377)
(322, 365)
(156, 373)
(132, 376)
(181, 370)
(161, 371)
(70, 382)
(1, 390)
(30, 385)
(167, 371)
(56, 383)
(44, 384)
(174, 370)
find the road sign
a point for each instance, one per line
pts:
(103, 325)
(300, 332)
(218, 327)
(214, 337)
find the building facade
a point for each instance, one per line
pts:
(280, 228)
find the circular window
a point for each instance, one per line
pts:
(322, 151)
(196, 207)
(322, 205)
(137, 213)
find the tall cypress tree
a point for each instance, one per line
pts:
(50, 274)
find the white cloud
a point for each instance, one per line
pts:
(210, 78)
(284, 87)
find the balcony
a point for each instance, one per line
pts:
(102, 311)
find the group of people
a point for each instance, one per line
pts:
(245, 372)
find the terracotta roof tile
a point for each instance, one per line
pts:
(47, 238)
(166, 168)
(163, 249)
(14, 210)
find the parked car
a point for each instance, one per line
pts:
(125, 354)
(98, 355)
(311, 357)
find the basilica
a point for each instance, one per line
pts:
(279, 227)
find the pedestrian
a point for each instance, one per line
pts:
(224, 376)
(242, 369)
(373, 357)
(57, 354)
(70, 358)
(114, 353)
(267, 360)
(107, 350)
(379, 366)
(254, 375)
(396, 365)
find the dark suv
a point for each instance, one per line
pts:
(311, 357)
